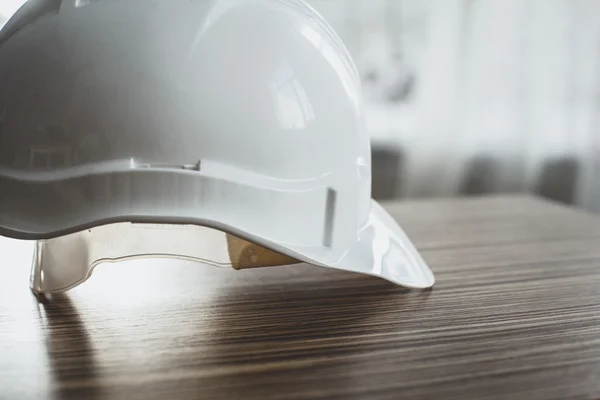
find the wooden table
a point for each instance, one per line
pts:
(515, 314)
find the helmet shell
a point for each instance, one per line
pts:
(262, 87)
(240, 115)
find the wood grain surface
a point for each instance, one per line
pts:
(515, 313)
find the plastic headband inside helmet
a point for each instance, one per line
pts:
(64, 262)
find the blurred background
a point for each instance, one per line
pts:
(470, 97)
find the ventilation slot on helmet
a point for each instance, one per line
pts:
(188, 167)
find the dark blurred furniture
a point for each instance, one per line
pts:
(558, 179)
(387, 163)
(515, 314)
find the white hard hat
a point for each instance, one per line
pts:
(229, 132)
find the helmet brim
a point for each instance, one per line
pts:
(384, 250)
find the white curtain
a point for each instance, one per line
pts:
(506, 95)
